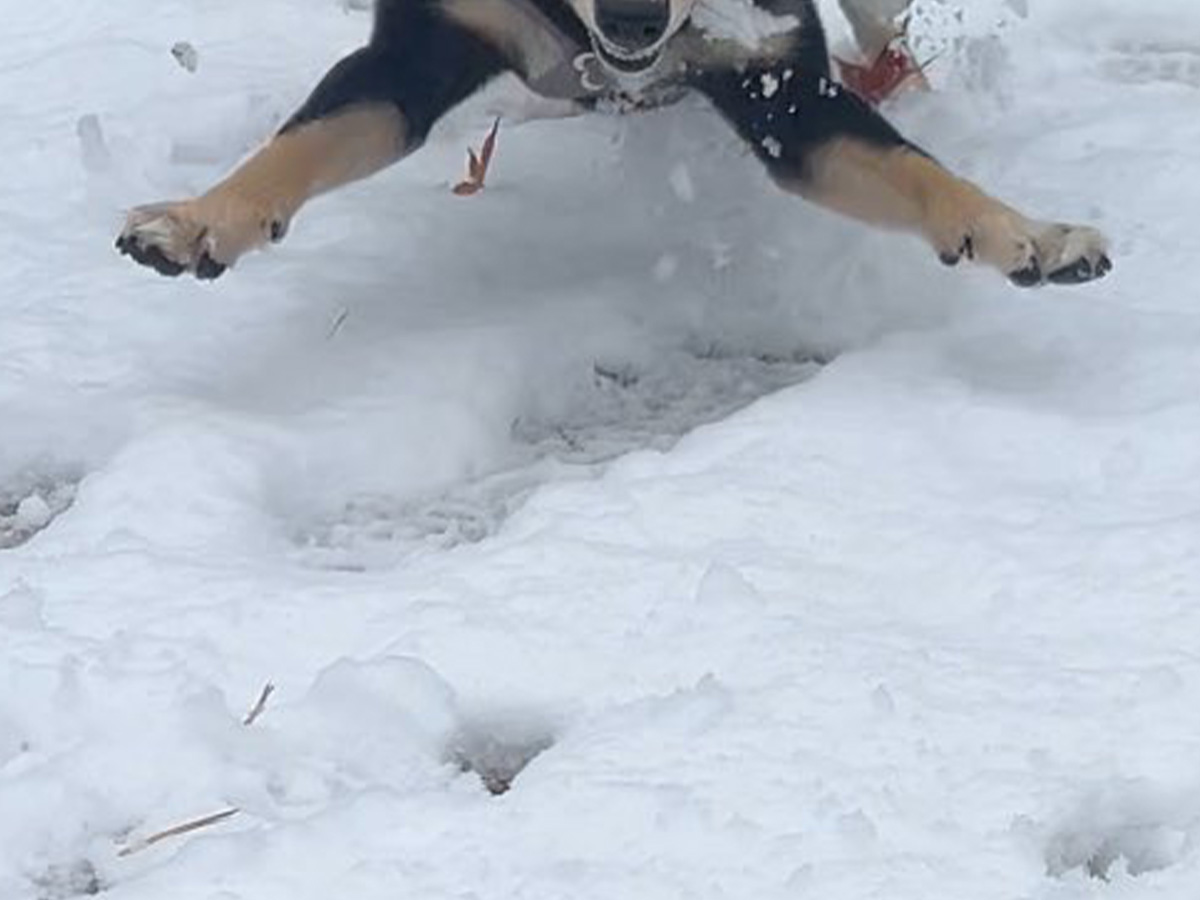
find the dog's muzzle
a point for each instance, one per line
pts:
(631, 32)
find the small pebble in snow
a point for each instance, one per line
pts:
(186, 55)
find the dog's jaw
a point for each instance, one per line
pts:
(644, 62)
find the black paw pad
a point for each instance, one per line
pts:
(149, 255)
(1030, 276)
(967, 249)
(1082, 270)
(208, 268)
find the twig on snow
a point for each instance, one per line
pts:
(259, 706)
(177, 830)
(342, 316)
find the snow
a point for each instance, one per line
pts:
(740, 21)
(628, 530)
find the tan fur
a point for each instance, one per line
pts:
(901, 189)
(255, 203)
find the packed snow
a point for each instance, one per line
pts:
(629, 530)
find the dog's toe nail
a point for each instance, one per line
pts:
(965, 249)
(208, 268)
(1082, 270)
(1030, 276)
(157, 260)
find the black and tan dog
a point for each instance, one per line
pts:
(763, 64)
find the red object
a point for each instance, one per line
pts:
(893, 70)
(477, 165)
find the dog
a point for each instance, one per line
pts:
(763, 65)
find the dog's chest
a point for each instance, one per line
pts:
(556, 58)
(583, 77)
(553, 51)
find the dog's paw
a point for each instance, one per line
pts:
(1064, 254)
(1029, 253)
(204, 236)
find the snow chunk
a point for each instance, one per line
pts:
(723, 585)
(682, 184)
(399, 712)
(740, 21)
(666, 268)
(33, 513)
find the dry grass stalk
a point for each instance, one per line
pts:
(177, 830)
(259, 706)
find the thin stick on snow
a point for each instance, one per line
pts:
(338, 322)
(259, 706)
(176, 831)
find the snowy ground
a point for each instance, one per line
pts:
(799, 566)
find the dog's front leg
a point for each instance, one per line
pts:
(372, 109)
(824, 143)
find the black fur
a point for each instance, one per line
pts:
(786, 111)
(426, 64)
(426, 56)
(416, 59)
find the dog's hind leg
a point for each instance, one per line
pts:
(824, 143)
(372, 109)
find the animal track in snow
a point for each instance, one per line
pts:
(623, 408)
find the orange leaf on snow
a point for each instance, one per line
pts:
(477, 165)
